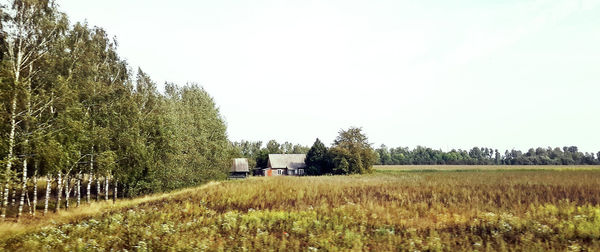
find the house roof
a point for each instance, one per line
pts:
(290, 161)
(239, 165)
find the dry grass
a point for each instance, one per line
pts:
(390, 210)
(28, 223)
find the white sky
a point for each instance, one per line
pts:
(443, 74)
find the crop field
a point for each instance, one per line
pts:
(396, 208)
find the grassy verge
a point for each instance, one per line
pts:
(28, 223)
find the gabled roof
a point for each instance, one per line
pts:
(239, 165)
(290, 161)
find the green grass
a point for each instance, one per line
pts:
(550, 209)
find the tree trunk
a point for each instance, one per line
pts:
(11, 146)
(5, 199)
(106, 189)
(48, 181)
(58, 192)
(14, 196)
(98, 185)
(24, 187)
(89, 186)
(35, 190)
(97, 188)
(78, 192)
(28, 202)
(115, 192)
(25, 148)
(91, 178)
(67, 190)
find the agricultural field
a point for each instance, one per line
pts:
(395, 208)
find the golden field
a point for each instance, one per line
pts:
(396, 208)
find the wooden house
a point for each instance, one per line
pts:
(239, 168)
(285, 164)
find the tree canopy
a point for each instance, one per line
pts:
(72, 106)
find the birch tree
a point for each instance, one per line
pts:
(29, 29)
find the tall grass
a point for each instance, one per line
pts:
(469, 210)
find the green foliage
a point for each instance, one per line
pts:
(317, 159)
(352, 147)
(76, 101)
(484, 156)
(258, 156)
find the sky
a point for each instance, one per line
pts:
(442, 74)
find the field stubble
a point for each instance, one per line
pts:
(390, 210)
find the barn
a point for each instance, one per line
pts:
(239, 168)
(285, 164)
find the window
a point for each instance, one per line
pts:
(279, 172)
(300, 171)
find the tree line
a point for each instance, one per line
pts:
(485, 156)
(258, 154)
(350, 153)
(75, 115)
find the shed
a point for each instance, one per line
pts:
(239, 168)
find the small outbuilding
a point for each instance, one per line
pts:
(239, 168)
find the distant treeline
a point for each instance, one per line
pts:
(485, 156)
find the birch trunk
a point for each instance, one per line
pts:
(115, 192)
(78, 192)
(25, 146)
(11, 145)
(48, 181)
(106, 188)
(5, 199)
(91, 178)
(23, 188)
(89, 186)
(67, 191)
(35, 191)
(58, 192)
(14, 196)
(28, 202)
(98, 188)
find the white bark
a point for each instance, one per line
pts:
(58, 192)
(23, 188)
(97, 188)
(11, 142)
(5, 199)
(67, 191)
(48, 182)
(78, 192)
(35, 191)
(106, 189)
(28, 202)
(89, 186)
(14, 196)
